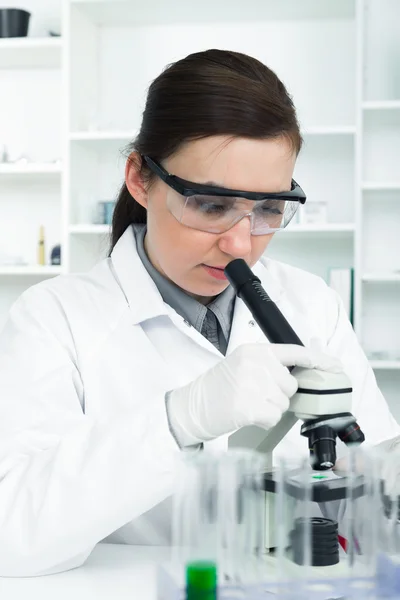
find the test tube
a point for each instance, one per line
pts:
(218, 514)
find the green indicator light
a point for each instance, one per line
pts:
(201, 580)
(319, 477)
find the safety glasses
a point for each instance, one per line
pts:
(216, 209)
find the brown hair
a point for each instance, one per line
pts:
(215, 92)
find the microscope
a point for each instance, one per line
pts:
(322, 401)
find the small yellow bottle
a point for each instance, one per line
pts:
(41, 247)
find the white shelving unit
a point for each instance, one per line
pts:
(30, 52)
(122, 13)
(332, 130)
(101, 136)
(31, 129)
(378, 191)
(381, 186)
(381, 105)
(381, 277)
(348, 101)
(30, 169)
(90, 229)
(30, 271)
(320, 229)
(385, 365)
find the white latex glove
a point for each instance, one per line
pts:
(251, 386)
(389, 453)
(387, 467)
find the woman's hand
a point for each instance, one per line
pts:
(251, 386)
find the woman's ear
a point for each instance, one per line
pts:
(134, 180)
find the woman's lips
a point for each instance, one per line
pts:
(216, 272)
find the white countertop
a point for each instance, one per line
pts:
(112, 572)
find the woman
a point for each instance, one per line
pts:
(106, 377)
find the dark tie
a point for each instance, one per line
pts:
(210, 328)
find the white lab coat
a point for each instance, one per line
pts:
(85, 361)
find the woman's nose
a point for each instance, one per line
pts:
(237, 241)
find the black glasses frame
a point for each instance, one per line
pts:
(188, 188)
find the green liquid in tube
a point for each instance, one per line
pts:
(201, 580)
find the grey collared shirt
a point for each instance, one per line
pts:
(214, 321)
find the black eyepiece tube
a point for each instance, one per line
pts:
(265, 312)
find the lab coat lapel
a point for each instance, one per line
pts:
(244, 329)
(190, 331)
(143, 297)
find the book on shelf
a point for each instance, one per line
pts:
(342, 281)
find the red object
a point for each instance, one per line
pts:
(343, 542)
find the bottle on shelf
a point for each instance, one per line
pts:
(55, 256)
(41, 247)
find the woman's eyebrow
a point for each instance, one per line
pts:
(214, 184)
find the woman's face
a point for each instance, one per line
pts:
(185, 255)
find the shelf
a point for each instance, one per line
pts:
(124, 12)
(101, 136)
(103, 140)
(388, 365)
(382, 105)
(30, 172)
(330, 130)
(90, 229)
(333, 228)
(30, 52)
(292, 229)
(30, 169)
(380, 186)
(29, 270)
(388, 277)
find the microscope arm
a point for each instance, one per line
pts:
(260, 440)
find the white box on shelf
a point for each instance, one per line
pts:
(314, 213)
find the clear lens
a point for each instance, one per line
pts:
(216, 214)
(272, 215)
